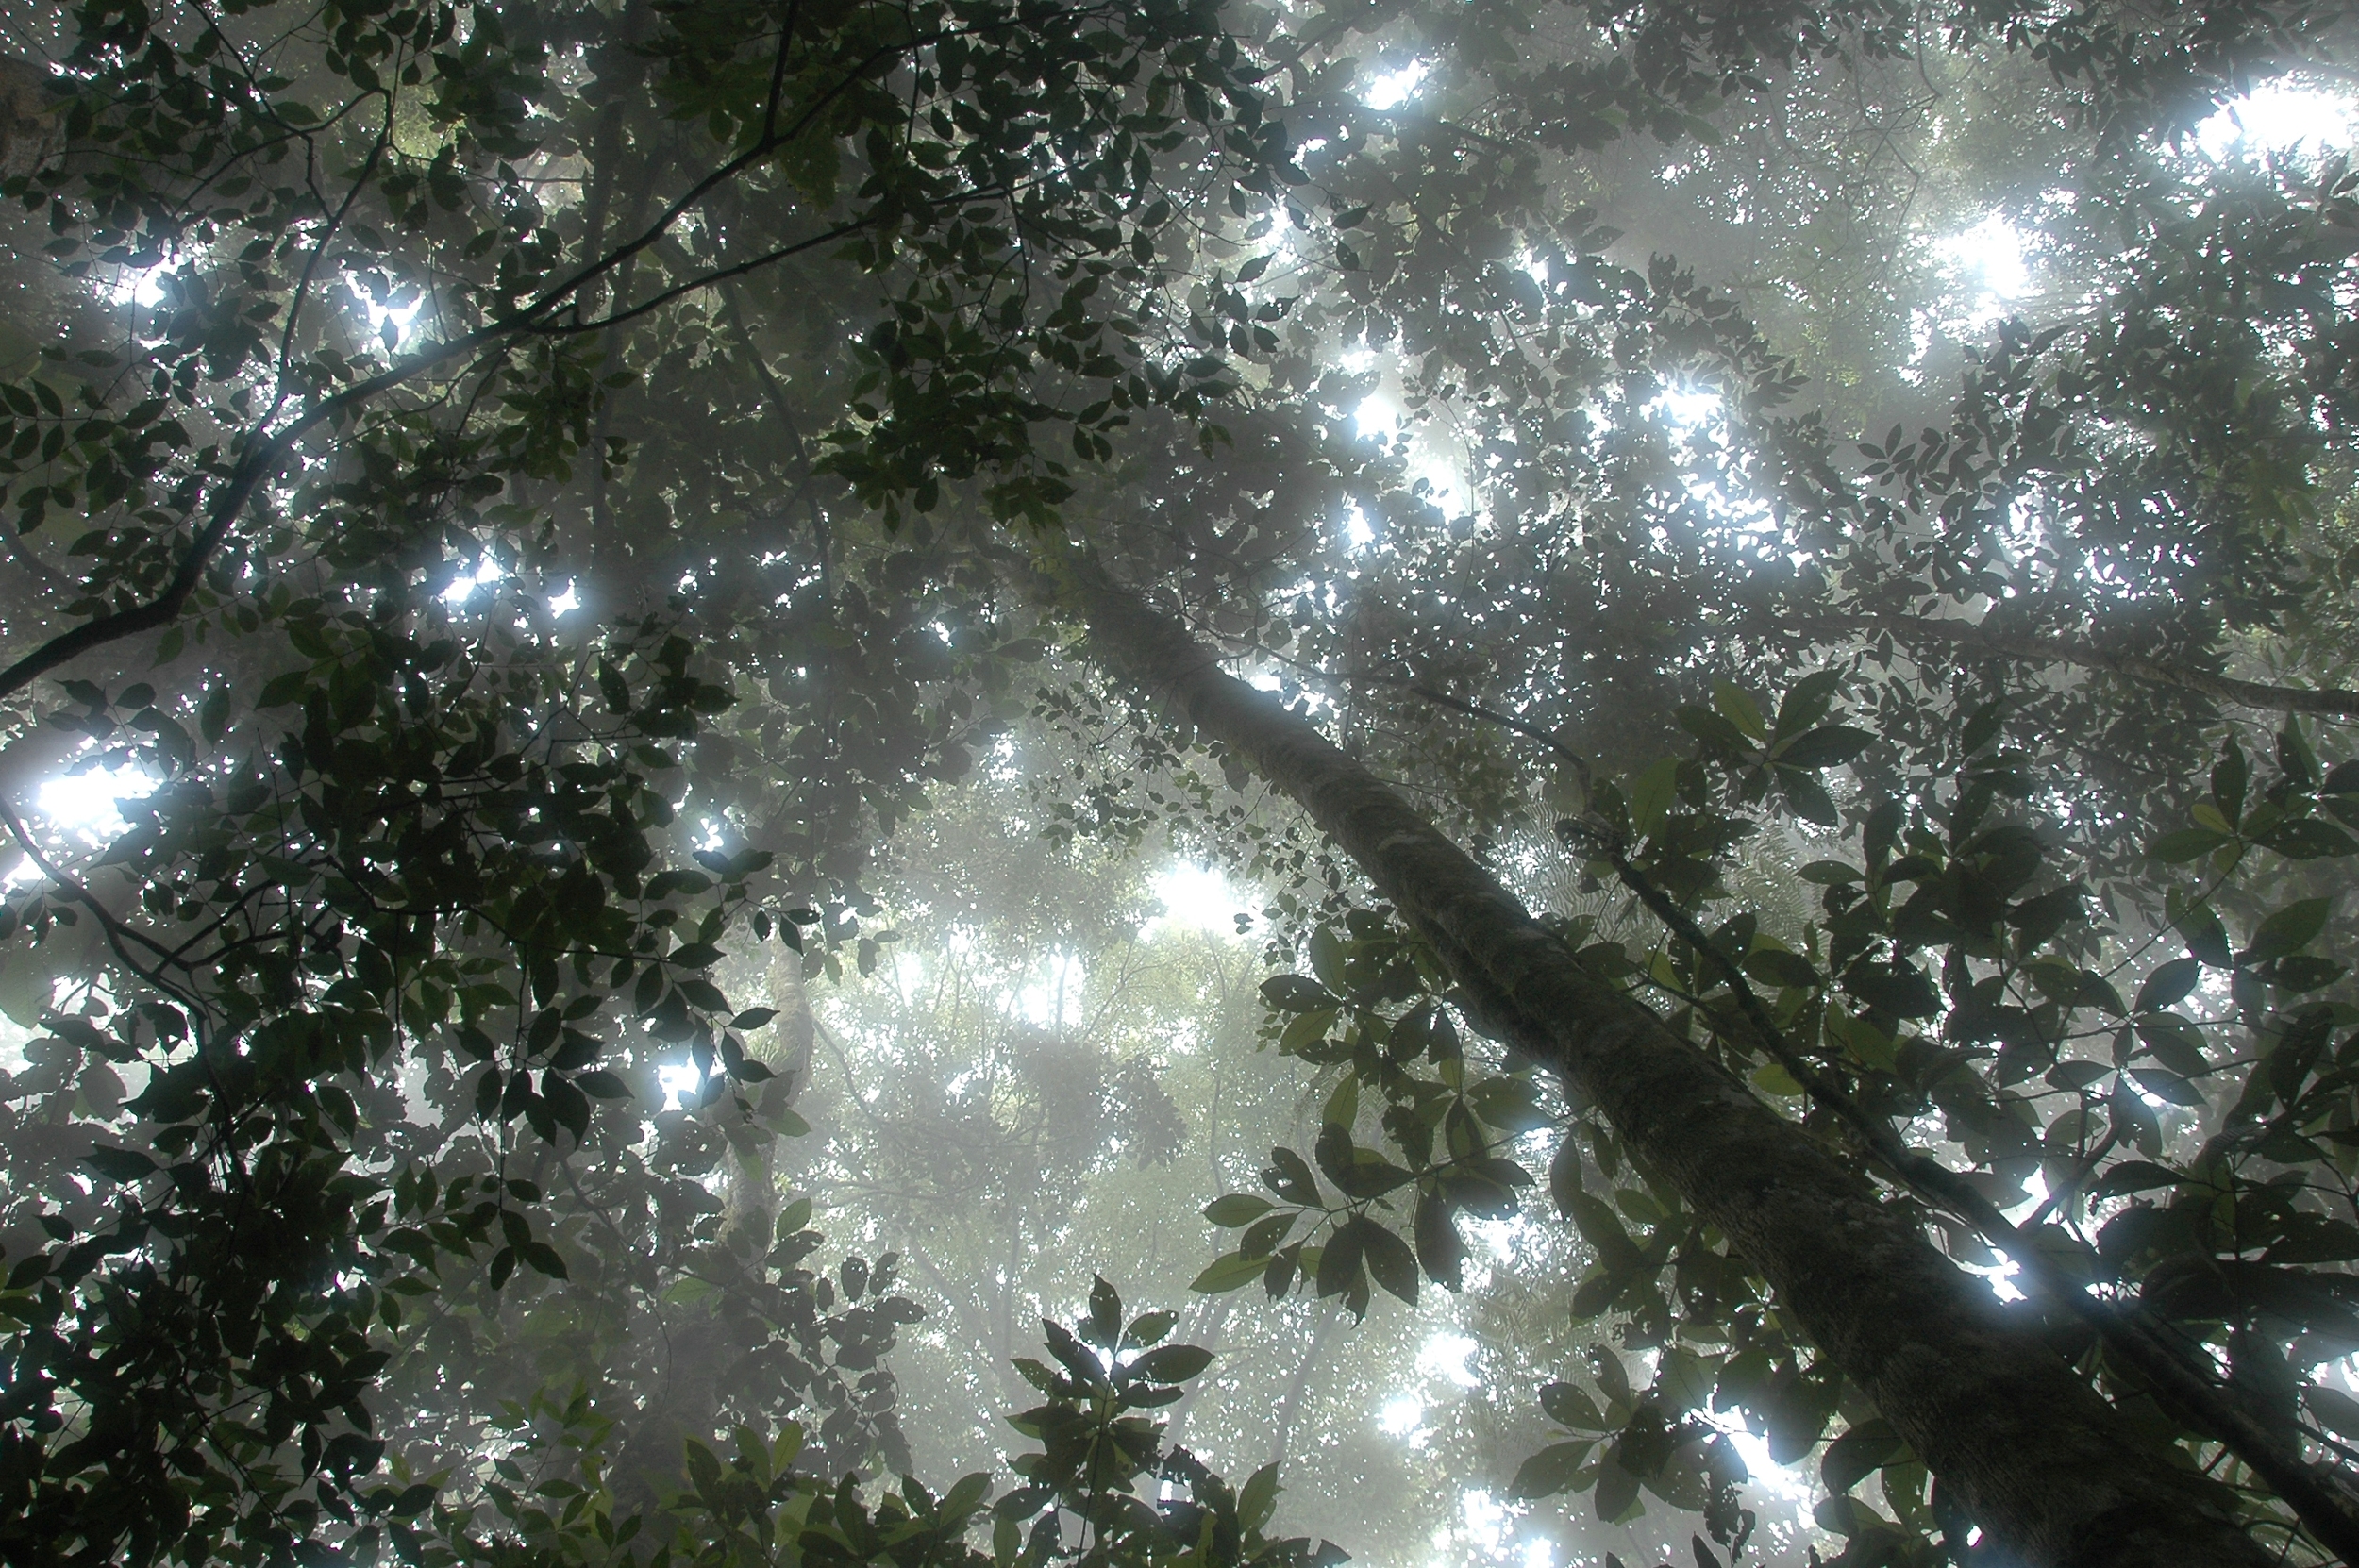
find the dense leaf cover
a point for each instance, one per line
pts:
(541, 494)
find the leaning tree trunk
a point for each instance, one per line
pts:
(2038, 1459)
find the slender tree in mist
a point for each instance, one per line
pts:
(524, 501)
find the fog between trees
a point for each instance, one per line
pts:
(1581, 771)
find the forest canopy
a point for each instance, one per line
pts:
(1000, 783)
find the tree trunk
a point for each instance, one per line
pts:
(752, 1182)
(2036, 1458)
(1290, 1403)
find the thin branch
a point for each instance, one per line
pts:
(777, 73)
(117, 932)
(319, 251)
(719, 275)
(2330, 701)
(264, 451)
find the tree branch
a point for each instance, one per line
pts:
(2329, 701)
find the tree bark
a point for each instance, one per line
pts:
(2035, 1457)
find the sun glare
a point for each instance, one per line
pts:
(1445, 1356)
(486, 571)
(2283, 119)
(678, 1083)
(1194, 898)
(1989, 257)
(86, 803)
(1396, 87)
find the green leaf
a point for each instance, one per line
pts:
(2294, 755)
(1390, 1262)
(120, 1164)
(1564, 1173)
(601, 1084)
(2186, 843)
(1616, 1497)
(1598, 1293)
(1650, 796)
(2205, 937)
(1822, 748)
(280, 690)
(1305, 1030)
(1174, 1363)
(1603, 1230)
(2228, 779)
(1713, 729)
(1339, 1272)
(2134, 1176)
(1736, 704)
(2308, 839)
(1327, 957)
(1797, 1411)
(1776, 966)
(1262, 1237)
(1569, 1405)
(2288, 930)
(1105, 1313)
(1289, 1176)
(1551, 1470)
(1343, 1102)
(2167, 1087)
(1234, 1211)
(2168, 984)
(1296, 994)
(1511, 1104)
(1258, 1498)
(412, 1500)
(2299, 971)
(1981, 725)
(212, 715)
(1858, 1452)
(1807, 797)
(1845, 1516)
(1807, 701)
(2174, 1042)
(1228, 1273)
(1149, 1328)
(1440, 1251)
